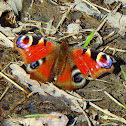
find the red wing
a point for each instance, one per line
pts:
(43, 70)
(33, 48)
(70, 77)
(91, 62)
(39, 54)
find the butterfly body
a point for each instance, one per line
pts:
(67, 65)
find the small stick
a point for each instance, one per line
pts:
(102, 23)
(89, 3)
(114, 100)
(3, 75)
(30, 94)
(10, 43)
(64, 16)
(101, 8)
(108, 113)
(109, 35)
(119, 50)
(5, 91)
(114, 51)
(86, 116)
(105, 48)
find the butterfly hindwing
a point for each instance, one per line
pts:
(42, 69)
(70, 77)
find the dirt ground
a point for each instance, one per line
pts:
(115, 82)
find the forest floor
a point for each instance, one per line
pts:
(51, 20)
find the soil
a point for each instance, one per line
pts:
(92, 90)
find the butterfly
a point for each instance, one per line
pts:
(65, 64)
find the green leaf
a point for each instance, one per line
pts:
(42, 115)
(89, 39)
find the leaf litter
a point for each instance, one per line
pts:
(77, 103)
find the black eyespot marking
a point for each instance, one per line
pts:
(34, 65)
(74, 67)
(45, 41)
(104, 61)
(77, 78)
(43, 60)
(84, 50)
(24, 42)
(94, 54)
(104, 57)
(36, 40)
(26, 38)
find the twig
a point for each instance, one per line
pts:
(124, 84)
(102, 23)
(5, 91)
(10, 43)
(20, 102)
(101, 80)
(119, 50)
(114, 100)
(101, 8)
(64, 16)
(105, 18)
(3, 75)
(108, 113)
(109, 35)
(89, 3)
(86, 116)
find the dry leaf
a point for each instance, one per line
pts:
(55, 121)
(74, 28)
(4, 7)
(117, 20)
(50, 121)
(16, 5)
(49, 88)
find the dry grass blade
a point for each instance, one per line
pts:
(64, 16)
(115, 117)
(89, 3)
(3, 75)
(114, 49)
(88, 120)
(5, 91)
(114, 99)
(109, 35)
(102, 23)
(101, 8)
(102, 81)
(119, 50)
(8, 42)
(20, 102)
(105, 18)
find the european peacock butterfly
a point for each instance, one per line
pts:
(67, 65)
